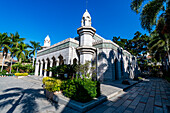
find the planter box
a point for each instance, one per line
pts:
(58, 97)
(49, 95)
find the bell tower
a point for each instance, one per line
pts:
(47, 42)
(86, 33)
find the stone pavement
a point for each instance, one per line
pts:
(149, 96)
(26, 95)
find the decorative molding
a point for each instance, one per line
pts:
(59, 46)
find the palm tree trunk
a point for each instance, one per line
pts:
(19, 62)
(33, 60)
(11, 65)
(3, 63)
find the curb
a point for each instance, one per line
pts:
(132, 85)
(83, 107)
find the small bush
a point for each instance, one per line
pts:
(126, 82)
(81, 90)
(140, 78)
(48, 78)
(45, 79)
(136, 79)
(53, 85)
(4, 72)
(21, 74)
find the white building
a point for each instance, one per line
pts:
(112, 62)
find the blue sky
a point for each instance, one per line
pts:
(35, 19)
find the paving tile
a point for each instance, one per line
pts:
(119, 102)
(158, 101)
(152, 93)
(109, 110)
(149, 105)
(98, 109)
(135, 102)
(130, 109)
(158, 110)
(145, 98)
(122, 108)
(127, 111)
(133, 95)
(140, 108)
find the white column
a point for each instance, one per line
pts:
(37, 68)
(41, 68)
(57, 63)
(45, 71)
(51, 64)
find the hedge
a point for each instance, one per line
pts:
(52, 84)
(21, 74)
(81, 90)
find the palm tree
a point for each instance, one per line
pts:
(4, 42)
(35, 46)
(159, 45)
(22, 50)
(150, 11)
(13, 51)
(15, 39)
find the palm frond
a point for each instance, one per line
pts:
(149, 13)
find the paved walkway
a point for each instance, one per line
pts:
(26, 96)
(149, 96)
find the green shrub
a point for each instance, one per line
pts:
(13, 71)
(53, 85)
(3, 72)
(45, 79)
(48, 78)
(167, 78)
(69, 88)
(81, 90)
(140, 78)
(21, 74)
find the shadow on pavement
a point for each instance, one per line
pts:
(25, 97)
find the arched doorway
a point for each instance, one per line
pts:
(61, 61)
(54, 65)
(116, 69)
(74, 61)
(39, 67)
(48, 66)
(122, 69)
(43, 66)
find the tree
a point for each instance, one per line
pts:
(22, 50)
(15, 40)
(119, 41)
(150, 11)
(13, 51)
(4, 42)
(35, 46)
(159, 45)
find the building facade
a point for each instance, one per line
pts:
(112, 62)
